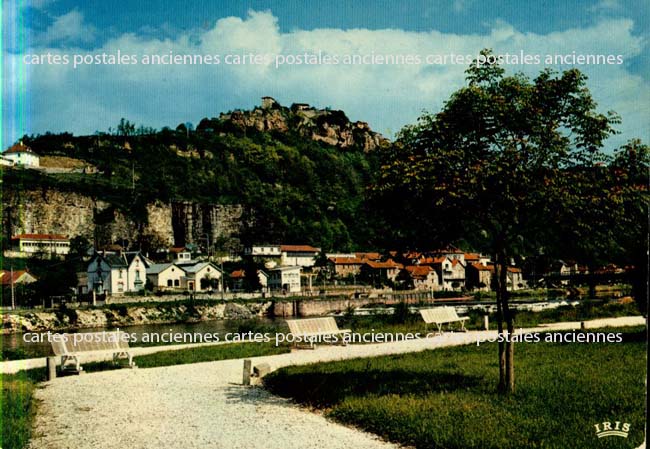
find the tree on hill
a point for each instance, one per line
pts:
(506, 162)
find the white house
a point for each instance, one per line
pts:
(42, 243)
(165, 276)
(298, 255)
(451, 272)
(263, 251)
(21, 154)
(285, 279)
(201, 276)
(115, 274)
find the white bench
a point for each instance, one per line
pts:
(310, 329)
(443, 315)
(72, 347)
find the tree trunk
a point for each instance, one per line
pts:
(509, 344)
(502, 349)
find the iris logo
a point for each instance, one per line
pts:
(607, 429)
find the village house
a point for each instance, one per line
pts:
(22, 155)
(116, 274)
(200, 277)
(46, 244)
(421, 277)
(237, 277)
(298, 255)
(16, 277)
(285, 279)
(165, 276)
(451, 272)
(515, 279)
(479, 276)
(379, 272)
(345, 266)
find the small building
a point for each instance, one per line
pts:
(116, 274)
(378, 272)
(298, 255)
(515, 279)
(285, 279)
(238, 277)
(345, 266)
(165, 276)
(200, 277)
(22, 155)
(421, 277)
(479, 276)
(30, 244)
(19, 277)
(264, 251)
(451, 272)
(269, 103)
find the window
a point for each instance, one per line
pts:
(120, 274)
(177, 283)
(169, 282)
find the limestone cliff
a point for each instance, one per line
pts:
(47, 210)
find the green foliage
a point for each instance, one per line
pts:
(445, 398)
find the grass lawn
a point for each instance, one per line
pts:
(19, 406)
(446, 398)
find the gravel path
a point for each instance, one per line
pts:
(203, 406)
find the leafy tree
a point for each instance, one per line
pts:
(504, 164)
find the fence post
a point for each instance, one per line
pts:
(247, 372)
(486, 322)
(51, 368)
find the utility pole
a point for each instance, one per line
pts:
(13, 296)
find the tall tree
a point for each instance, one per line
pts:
(503, 166)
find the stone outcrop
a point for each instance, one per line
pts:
(324, 125)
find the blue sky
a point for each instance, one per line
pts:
(44, 98)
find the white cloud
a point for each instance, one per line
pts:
(69, 28)
(94, 97)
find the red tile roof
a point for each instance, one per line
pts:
(369, 256)
(19, 148)
(40, 237)
(237, 274)
(419, 271)
(5, 276)
(388, 264)
(347, 260)
(480, 267)
(299, 249)
(472, 257)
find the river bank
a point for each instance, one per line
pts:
(132, 315)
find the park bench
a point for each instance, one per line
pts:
(310, 329)
(72, 347)
(441, 316)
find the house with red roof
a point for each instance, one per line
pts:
(298, 255)
(421, 277)
(31, 244)
(16, 277)
(21, 154)
(380, 272)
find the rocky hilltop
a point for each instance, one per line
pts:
(322, 125)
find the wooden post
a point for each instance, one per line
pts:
(51, 368)
(486, 322)
(247, 372)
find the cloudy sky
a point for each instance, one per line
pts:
(40, 98)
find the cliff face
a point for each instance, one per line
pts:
(329, 126)
(49, 211)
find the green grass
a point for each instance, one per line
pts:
(18, 407)
(446, 398)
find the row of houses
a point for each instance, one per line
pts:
(127, 272)
(444, 270)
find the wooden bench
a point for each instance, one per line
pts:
(72, 347)
(310, 329)
(443, 315)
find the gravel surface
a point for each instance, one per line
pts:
(204, 405)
